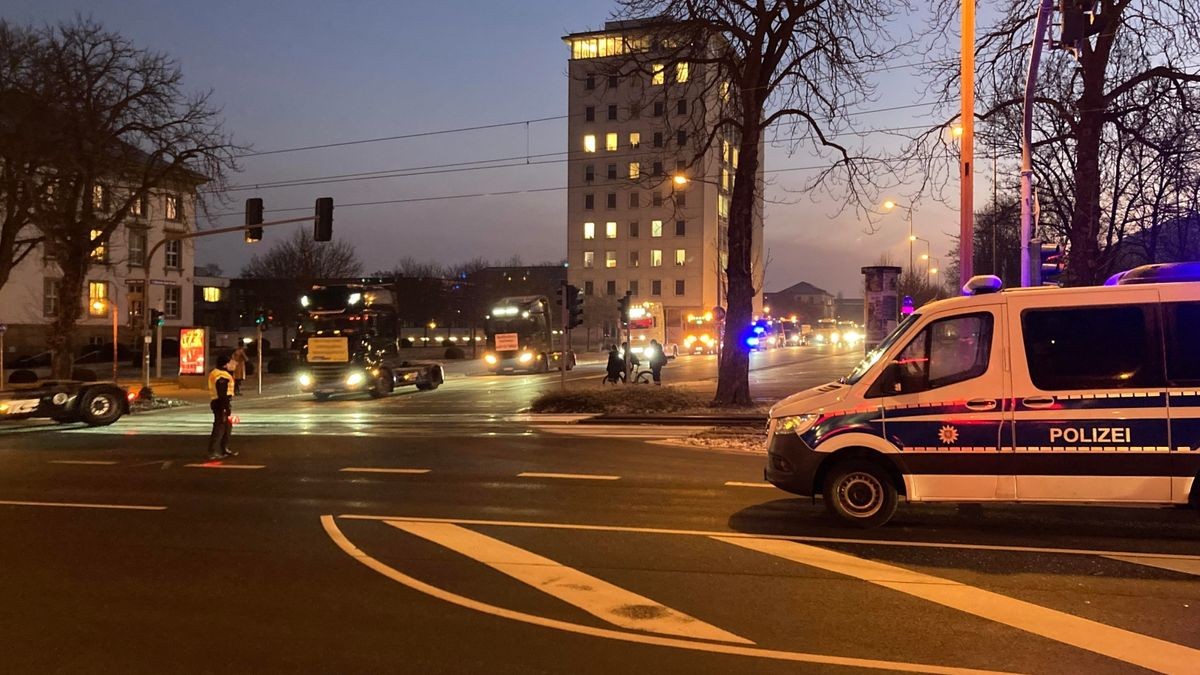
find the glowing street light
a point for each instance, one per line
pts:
(888, 206)
(98, 306)
(680, 179)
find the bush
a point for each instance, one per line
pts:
(83, 374)
(620, 400)
(22, 377)
(454, 353)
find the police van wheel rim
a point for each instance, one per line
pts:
(861, 494)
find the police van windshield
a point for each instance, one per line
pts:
(873, 355)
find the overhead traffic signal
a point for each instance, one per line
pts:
(623, 307)
(1052, 259)
(574, 306)
(254, 216)
(262, 319)
(155, 319)
(323, 225)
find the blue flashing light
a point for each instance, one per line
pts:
(752, 341)
(1162, 273)
(907, 307)
(759, 330)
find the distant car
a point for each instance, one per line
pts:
(96, 404)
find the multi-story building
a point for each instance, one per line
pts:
(804, 301)
(647, 190)
(30, 299)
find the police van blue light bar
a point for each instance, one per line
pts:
(1162, 273)
(983, 284)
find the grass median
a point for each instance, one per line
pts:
(635, 400)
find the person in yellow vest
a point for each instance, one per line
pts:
(220, 388)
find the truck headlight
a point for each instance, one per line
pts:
(490, 359)
(525, 357)
(305, 380)
(355, 379)
(689, 341)
(795, 424)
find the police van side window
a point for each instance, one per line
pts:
(1111, 347)
(1182, 333)
(945, 352)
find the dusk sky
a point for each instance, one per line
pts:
(303, 73)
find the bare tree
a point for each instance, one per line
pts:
(22, 156)
(791, 66)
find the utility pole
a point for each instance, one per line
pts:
(1035, 54)
(564, 320)
(966, 175)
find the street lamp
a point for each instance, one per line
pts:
(888, 206)
(934, 270)
(925, 255)
(680, 179)
(98, 306)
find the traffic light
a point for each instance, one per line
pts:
(323, 226)
(574, 306)
(254, 216)
(1049, 264)
(156, 319)
(623, 307)
(1079, 22)
(262, 320)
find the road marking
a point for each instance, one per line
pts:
(77, 505)
(569, 476)
(217, 464)
(779, 537)
(597, 597)
(86, 462)
(354, 552)
(369, 469)
(734, 483)
(1174, 565)
(1118, 643)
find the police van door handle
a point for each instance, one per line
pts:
(981, 404)
(1038, 401)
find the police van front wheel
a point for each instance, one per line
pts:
(860, 493)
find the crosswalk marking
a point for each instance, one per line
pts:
(1172, 564)
(79, 505)
(217, 464)
(85, 462)
(622, 430)
(611, 603)
(736, 483)
(1134, 648)
(371, 469)
(571, 476)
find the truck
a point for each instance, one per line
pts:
(648, 321)
(349, 343)
(520, 337)
(96, 404)
(701, 334)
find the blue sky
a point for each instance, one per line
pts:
(327, 72)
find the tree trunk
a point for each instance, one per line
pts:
(733, 377)
(63, 329)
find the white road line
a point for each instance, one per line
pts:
(85, 462)
(354, 552)
(597, 597)
(573, 476)
(1182, 566)
(1118, 643)
(218, 465)
(76, 505)
(734, 483)
(780, 537)
(370, 469)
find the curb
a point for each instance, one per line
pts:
(682, 420)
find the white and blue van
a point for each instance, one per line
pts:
(1085, 394)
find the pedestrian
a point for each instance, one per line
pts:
(616, 366)
(220, 388)
(658, 359)
(237, 368)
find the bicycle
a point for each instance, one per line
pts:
(642, 377)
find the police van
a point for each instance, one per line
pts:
(1026, 395)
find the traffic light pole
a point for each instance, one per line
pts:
(180, 236)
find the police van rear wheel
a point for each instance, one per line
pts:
(860, 493)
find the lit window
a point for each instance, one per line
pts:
(610, 141)
(657, 73)
(212, 294)
(723, 206)
(680, 257)
(610, 230)
(174, 254)
(724, 178)
(734, 159)
(724, 89)
(589, 259)
(138, 207)
(589, 230)
(725, 150)
(635, 140)
(174, 209)
(610, 259)
(97, 294)
(656, 228)
(656, 257)
(635, 170)
(589, 143)
(99, 198)
(99, 250)
(681, 72)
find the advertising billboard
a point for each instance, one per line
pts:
(192, 342)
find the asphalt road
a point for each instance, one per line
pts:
(443, 532)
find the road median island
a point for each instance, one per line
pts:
(648, 405)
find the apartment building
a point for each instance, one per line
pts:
(647, 209)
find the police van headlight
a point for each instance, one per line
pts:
(354, 379)
(795, 424)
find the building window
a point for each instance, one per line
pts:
(589, 82)
(137, 247)
(138, 208)
(680, 199)
(724, 91)
(610, 230)
(635, 140)
(589, 173)
(613, 81)
(134, 294)
(722, 206)
(610, 200)
(633, 230)
(612, 113)
(658, 171)
(589, 288)
(679, 287)
(174, 254)
(612, 171)
(681, 107)
(589, 230)
(610, 259)
(50, 296)
(680, 228)
(681, 138)
(589, 114)
(656, 257)
(610, 141)
(97, 298)
(589, 259)
(657, 74)
(633, 287)
(212, 294)
(589, 202)
(656, 228)
(656, 287)
(724, 178)
(99, 198)
(681, 71)
(610, 287)
(633, 199)
(633, 259)
(174, 208)
(635, 170)
(680, 257)
(659, 106)
(658, 139)
(99, 249)
(589, 142)
(172, 299)
(635, 111)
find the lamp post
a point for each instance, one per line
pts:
(888, 206)
(98, 306)
(936, 263)
(925, 255)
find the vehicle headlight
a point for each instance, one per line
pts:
(689, 340)
(355, 379)
(835, 337)
(795, 424)
(490, 359)
(305, 380)
(525, 357)
(819, 338)
(706, 339)
(59, 398)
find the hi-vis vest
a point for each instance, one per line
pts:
(215, 375)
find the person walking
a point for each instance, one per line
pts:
(658, 359)
(221, 390)
(237, 368)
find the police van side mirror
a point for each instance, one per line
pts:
(888, 383)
